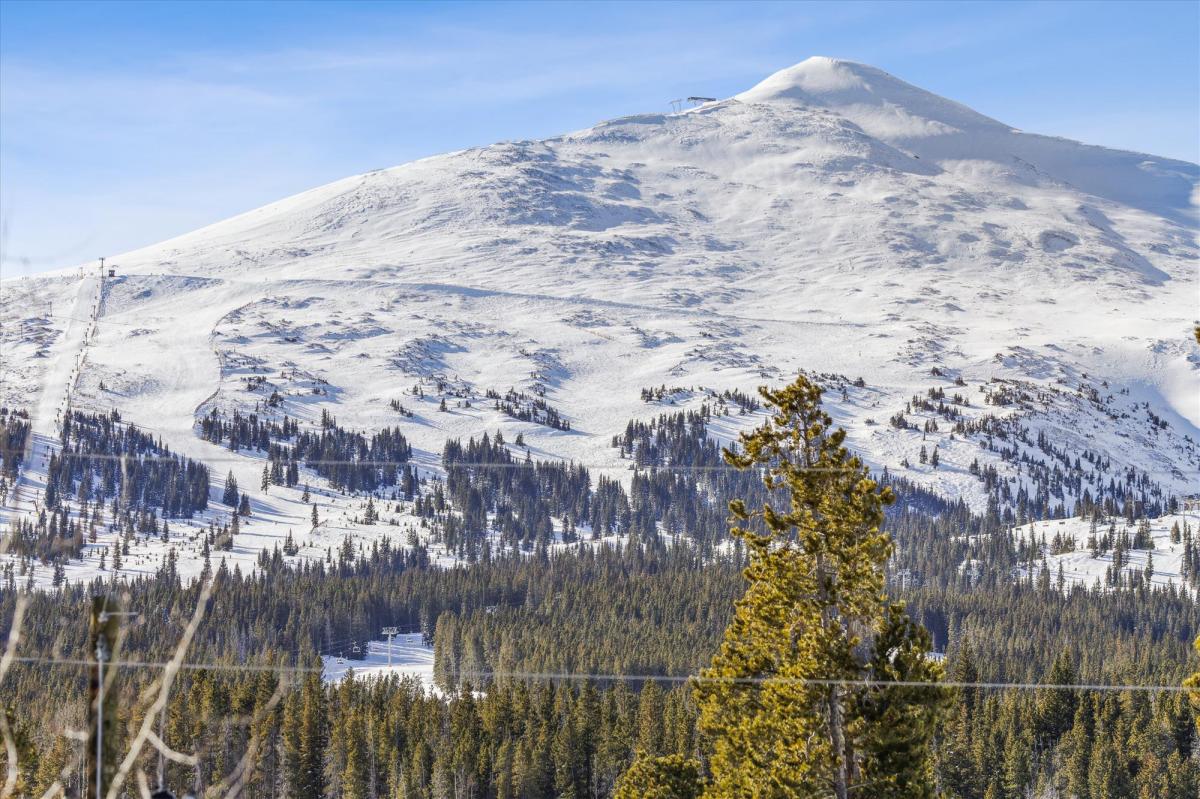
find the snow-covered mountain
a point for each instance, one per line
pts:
(832, 219)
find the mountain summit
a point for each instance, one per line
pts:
(945, 132)
(847, 87)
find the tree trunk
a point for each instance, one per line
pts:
(837, 741)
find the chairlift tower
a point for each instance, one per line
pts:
(389, 632)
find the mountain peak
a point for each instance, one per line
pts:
(941, 131)
(841, 85)
(814, 75)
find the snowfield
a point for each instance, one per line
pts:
(409, 657)
(832, 219)
(1084, 567)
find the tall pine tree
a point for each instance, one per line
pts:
(792, 700)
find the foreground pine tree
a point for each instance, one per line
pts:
(669, 777)
(792, 701)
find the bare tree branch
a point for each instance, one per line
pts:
(164, 691)
(231, 787)
(14, 636)
(55, 790)
(168, 752)
(10, 745)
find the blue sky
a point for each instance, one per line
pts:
(124, 124)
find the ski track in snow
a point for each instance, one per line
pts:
(66, 360)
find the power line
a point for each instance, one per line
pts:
(459, 464)
(669, 678)
(153, 664)
(865, 683)
(631, 466)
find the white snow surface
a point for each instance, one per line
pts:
(409, 657)
(832, 219)
(1079, 567)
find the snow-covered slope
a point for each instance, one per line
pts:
(833, 219)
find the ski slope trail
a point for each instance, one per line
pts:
(408, 656)
(64, 366)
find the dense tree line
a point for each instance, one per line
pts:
(14, 433)
(493, 490)
(102, 458)
(350, 461)
(602, 610)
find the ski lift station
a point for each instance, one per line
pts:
(695, 100)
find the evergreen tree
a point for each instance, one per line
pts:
(650, 719)
(230, 495)
(311, 737)
(670, 777)
(782, 700)
(1193, 681)
(354, 775)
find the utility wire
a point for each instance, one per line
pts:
(669, 678)
(152, 664)
(459, 464)
(531, 465)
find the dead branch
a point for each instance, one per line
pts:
(10, 745)
(164, 690)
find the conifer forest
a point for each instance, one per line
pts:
(579, 651)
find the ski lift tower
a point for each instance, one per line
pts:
(389, 632)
